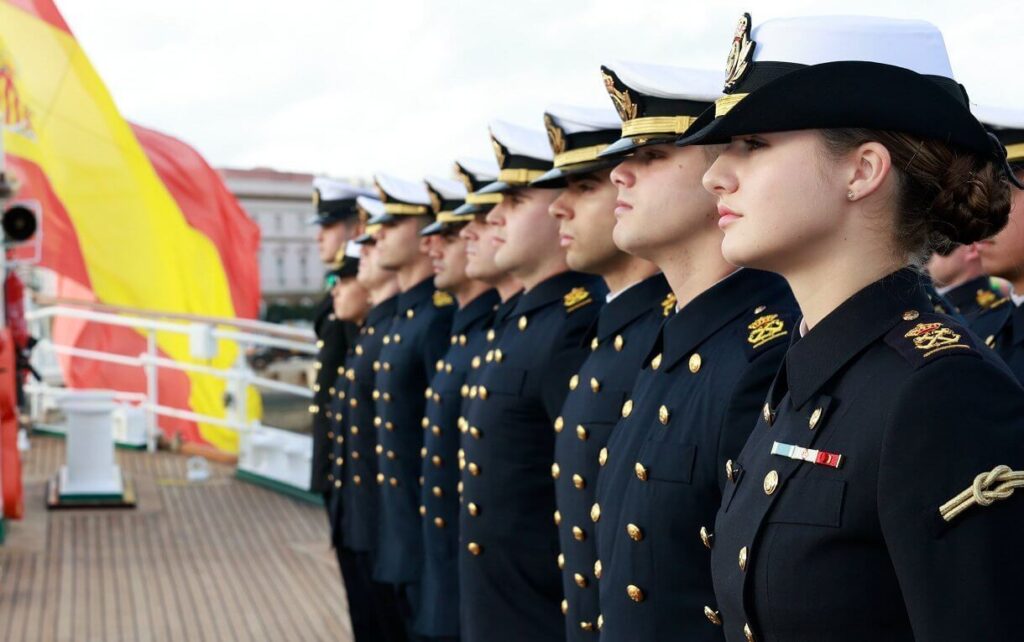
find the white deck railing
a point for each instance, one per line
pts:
(245, 333)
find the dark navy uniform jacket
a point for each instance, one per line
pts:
(1002, 329)
(417, 339)
(510, 583)
(439, 608)
(354, 499)
(618, 343)
(333, 339)
(972, 298)
(662, 478)
(810, 547)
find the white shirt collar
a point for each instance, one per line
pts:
(611, 296)
(1017, 298)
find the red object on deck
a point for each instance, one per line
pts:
(10, 461)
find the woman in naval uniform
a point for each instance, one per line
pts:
(874, 499)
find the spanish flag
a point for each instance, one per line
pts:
(131, 217)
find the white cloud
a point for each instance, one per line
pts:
(349, 87)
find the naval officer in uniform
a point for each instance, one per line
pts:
(704, 378)
(960, 279)
(417, 339)
(510, 583)
(338, 222)
(875, 497)
(638, 301)
(480, 249)
(1002, 327)
(439, 497)
(354, 496)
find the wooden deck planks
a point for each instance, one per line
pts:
(218, 560)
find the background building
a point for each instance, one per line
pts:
(291, 275)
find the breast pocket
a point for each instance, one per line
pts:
(503, 381)
(811, 502)
(669, 462)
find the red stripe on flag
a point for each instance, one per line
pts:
(45, 10)
(211, 209)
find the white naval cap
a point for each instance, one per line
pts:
(577, 135)
(331, 189)
(669, 82)
(1007, 125)
(520, 141)
(402, 197)
(572, 119)
(447, 188)
(916, 45)
(474, 172)
(823, 72)
(523, 154)
(372, 205)
(657, 103)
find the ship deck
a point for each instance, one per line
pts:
(215, 560)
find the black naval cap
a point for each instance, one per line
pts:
(335, 201)
(843, 71)
(400, 198)
(475, 174)
(577, 136)
(657, 103)
(523, 155)
(446, 196)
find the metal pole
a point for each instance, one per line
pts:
(151, 392)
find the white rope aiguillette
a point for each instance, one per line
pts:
(998, 483)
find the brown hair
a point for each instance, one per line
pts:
(947, 196)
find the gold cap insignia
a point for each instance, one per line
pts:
(934, 337)
(740, 53)
(499, 151)
(381, 192)
(764, 329)
(435, 199)
(668, 304)
(576, 299)
(985, 298)
(316, 198)
(464, 176)
(555, 134)
(442, 299)
(620, 98)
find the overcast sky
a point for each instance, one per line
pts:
(349, 88)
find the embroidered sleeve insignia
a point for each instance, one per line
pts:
(576, 299)
(668, 304)
(765, 329)
(930, 337)
(934, 337)
(442, 299)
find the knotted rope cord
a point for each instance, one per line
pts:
(998, 483)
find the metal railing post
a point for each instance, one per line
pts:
(151, 391)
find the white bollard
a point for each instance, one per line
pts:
(90, 469)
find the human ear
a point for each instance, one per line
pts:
(870, 165)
